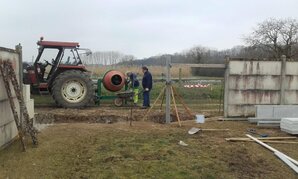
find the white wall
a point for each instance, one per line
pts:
(8, 129)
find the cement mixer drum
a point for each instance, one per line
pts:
(113, 80)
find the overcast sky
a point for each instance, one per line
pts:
(142, 28)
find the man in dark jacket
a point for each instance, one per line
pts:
(147, 86)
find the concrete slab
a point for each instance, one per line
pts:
(256, 119)
(266, 111)
(289, 125)
(269, 124)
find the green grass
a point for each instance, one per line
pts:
(104, 154)
(144, 150)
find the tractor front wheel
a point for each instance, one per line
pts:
(72, 89)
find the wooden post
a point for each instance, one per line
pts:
(183, 103)
(283, 79)
(226, 90)
(168, 90)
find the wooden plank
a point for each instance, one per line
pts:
(221, 66)
(176, 110)
(264, 138)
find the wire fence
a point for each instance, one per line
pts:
(200, 95)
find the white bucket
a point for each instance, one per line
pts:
(200, 118)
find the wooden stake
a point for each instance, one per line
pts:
(184, 105)
(161, 92)
(175, 106)
(162, 99)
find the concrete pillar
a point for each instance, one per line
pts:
(226, 88)
(283, 79)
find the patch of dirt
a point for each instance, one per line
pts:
(102, 115)
(241, 161)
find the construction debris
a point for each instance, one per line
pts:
(182, 143)
(293, 164)
(254, 131)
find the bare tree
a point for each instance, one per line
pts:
(196, 53)
(275, 36)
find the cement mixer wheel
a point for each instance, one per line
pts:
(118, 102)
(72, 89)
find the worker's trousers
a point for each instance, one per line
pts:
(136, 95)
(146, 95)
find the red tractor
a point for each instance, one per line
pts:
(58, 70)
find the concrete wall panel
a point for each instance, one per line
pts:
(292, 68)
(291, 97)
(253, 97)
(241, 110)
(246, 82)
(255, 67)
(291, 82)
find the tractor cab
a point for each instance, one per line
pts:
(58, 69)
(54, 58)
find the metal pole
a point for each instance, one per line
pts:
(168, 90)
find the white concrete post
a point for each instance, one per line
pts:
(283, 79)
(226, 83)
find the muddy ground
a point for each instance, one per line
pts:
(100, 143)
(105, 115)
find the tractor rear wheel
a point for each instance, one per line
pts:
(72, 89)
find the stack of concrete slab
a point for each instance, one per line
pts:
(289, 125)
(271, 115)
(28, 102)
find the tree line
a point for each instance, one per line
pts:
(270, 39)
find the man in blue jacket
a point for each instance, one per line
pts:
(147, 86)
